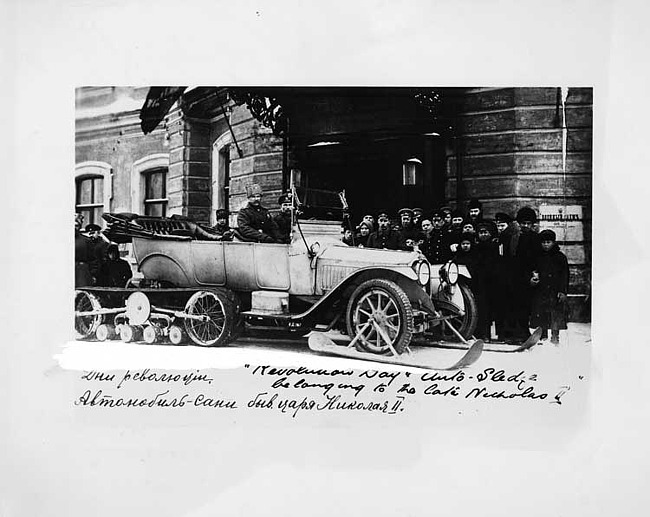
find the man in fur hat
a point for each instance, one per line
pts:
(475, 211)
(254, 222)
(222, 230)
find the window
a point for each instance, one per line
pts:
(93, 187)
(90, 199)
(412, 172)
(155, 197)
(149, 189)
(220, 173)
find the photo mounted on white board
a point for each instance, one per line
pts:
(376, 223)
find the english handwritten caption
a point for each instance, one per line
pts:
(295, 391)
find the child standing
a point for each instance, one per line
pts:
(465, 254)
(550, 282)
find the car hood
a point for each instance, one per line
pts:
(364, 257)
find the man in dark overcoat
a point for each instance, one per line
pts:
(283, 218)
(254, 222)
(99, 246)
(409, 235)
(385, 237)
(434, 246)
(83, 255)
(504, 302)
(115, 271)
(484, 283)
(528, 249)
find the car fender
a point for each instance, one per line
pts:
(406, 279)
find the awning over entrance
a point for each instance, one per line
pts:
(159, 101)
(309, 114)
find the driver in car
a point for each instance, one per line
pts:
(254, 222)
(283, 218)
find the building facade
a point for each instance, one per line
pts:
(386, 147)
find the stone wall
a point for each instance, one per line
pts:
(108, 130)
(261, 160)
(509, 154)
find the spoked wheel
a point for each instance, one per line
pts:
(86, 324)
(465, 324)
(219, 318)
(380, 313)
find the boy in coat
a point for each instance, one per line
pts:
(550, 282)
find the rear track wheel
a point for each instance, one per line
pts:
(86, 326)
(221, 322)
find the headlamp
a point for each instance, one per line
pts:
(449, 273)
(423, 271)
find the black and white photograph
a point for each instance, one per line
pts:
(344, 258)
(393, 218)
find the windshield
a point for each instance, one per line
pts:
(320, 204)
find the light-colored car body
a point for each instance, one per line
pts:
(315, 267)
(248, 266)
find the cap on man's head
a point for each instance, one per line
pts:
(445, 209)
(93, 228)
(547, 235)
(418, 211)
(502, 217)
(526, 214)
(284, 198)
(382, 213)
(475, 203)
(253, 190)
(487, 224)
(222, 214)
(457, 213)
(437, 213)
(403, 211)
(466, 236)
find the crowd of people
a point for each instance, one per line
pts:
(519, 276)
(97, 260)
